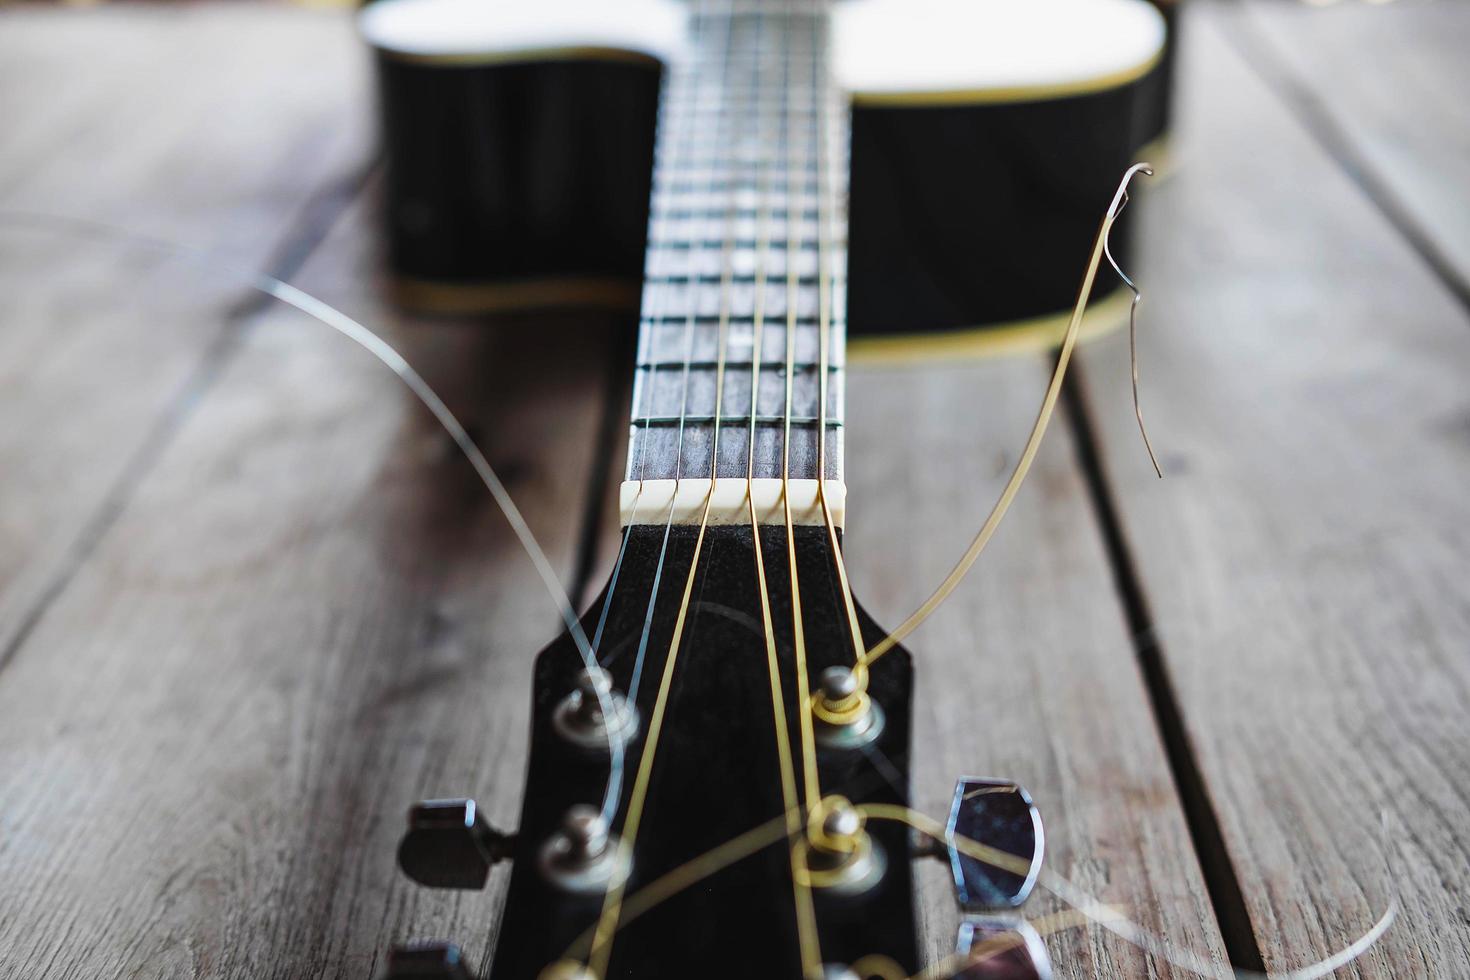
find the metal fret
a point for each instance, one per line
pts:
(644, 421)
(737, 208)
(731, 365)
(700, 181)
(709, 263)
(712, 280)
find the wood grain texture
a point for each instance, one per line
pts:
(1385, 86)
(1305, 560)
(1027, 671)
(212, 126)
(308, 615)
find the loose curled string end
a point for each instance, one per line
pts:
(1119, 203)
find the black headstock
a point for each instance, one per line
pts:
(716, 773)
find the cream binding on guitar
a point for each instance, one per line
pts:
(707, 800)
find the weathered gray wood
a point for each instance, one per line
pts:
(1027, 671)
(1305, 561)
(1391, 81)
(214, 126)
(307, 615)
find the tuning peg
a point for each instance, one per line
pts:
(449, 845)
(1001, 948)
(427, 961)
(998, 814)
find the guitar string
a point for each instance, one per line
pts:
(806, 926)
(825, 207)
(798, 625)
(1033, 442)
(601, 950)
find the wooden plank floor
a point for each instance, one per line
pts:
(1384, 90)
(233, 556)
(107, 144)
(1302, 571)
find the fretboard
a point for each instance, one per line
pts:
(747, 245)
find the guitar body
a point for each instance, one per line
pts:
(719, 774)
(983, 134)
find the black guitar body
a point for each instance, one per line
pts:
(715, 776)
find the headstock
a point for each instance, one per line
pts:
(716, 773)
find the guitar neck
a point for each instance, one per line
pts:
(743, 313)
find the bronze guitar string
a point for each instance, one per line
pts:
(803, 681)
(856, 703)
(806, 914)
(806, 925)
(1033, 442)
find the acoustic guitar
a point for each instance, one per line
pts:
(718, 781)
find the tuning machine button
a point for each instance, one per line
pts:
(427, 961)
(594, 711)
(449, 845)
(1001, 948)
(999, 815)
(583, 856)
(843, 858)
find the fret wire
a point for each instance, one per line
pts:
(686, 244)
(758, 312)
(801, 367)
(741, 214)
(703, 280)
(722, 129)
(706, 173)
